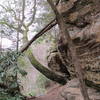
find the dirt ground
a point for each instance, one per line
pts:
(70, 91)
(52, 94)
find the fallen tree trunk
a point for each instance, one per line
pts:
(45, 71)
(45, 29)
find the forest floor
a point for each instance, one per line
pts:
(70, 91)
(52, 94)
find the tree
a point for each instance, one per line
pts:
(65, 34)
(21, 20)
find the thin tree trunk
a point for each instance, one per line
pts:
(64, 32)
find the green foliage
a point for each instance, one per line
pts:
(23, 61)
(9, 86)
(22, 72)
(33, 93)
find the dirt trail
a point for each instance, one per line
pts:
(52, 94)
(70, 91)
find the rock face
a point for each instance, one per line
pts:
(57, 64)
(83, 23)
(72, 92)
(88, 52)
(79, 12)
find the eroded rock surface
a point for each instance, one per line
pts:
(82, 19)
(72, 92)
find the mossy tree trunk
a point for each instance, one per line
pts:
(42, 69)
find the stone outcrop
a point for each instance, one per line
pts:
(82, 19)
(72, 92)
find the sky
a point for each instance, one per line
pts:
(1, 1)
(6, 43)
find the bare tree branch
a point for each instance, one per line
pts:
(9, 9)
(33, 15)
(57, 2)
(45, 29)
(21, 19)
(7, 24)
(23, 10)
(15, 17)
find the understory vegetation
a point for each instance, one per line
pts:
(9, 70)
